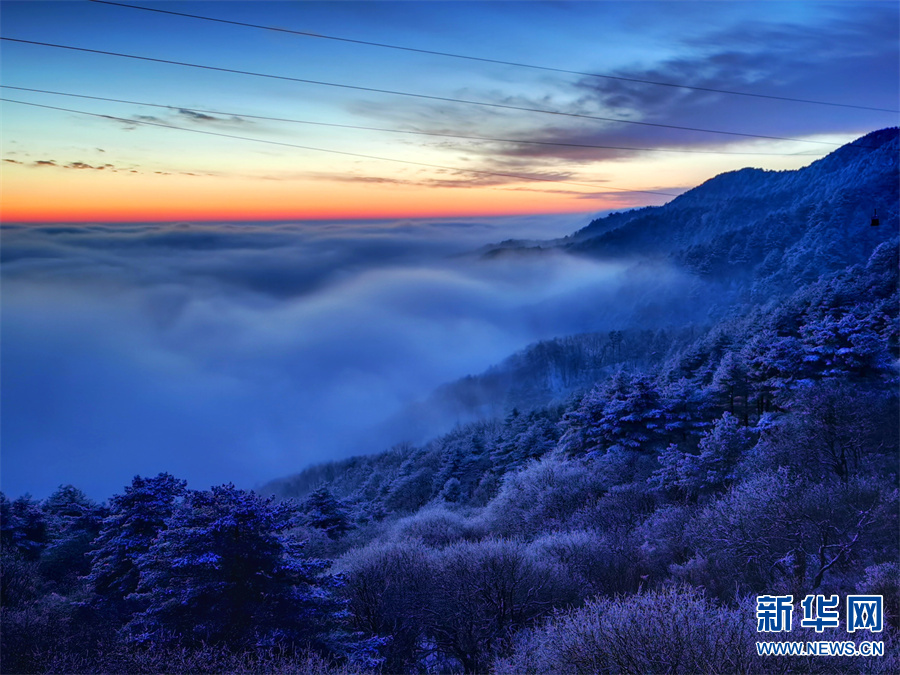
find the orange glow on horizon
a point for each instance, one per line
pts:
(81, 196)
(69, 217)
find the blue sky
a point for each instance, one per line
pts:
(834, 52)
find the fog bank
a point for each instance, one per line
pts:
(245, 352)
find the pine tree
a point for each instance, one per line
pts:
(325, 512)
(685, 410)
(846, 346)
(223, 572)
(23, 526)
(774, 366)
(720, 450)
(136, 518)
(632, 419)
(732, 383)
(73, 521)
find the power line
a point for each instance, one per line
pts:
(336, 152)
(383, 45)
(396, 131)
(445, 99)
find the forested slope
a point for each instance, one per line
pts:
(777, 227)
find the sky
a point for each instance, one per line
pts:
(121, 166)
(190, 287)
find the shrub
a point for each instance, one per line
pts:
(435, 526)
(388, 587)
(542, 497)
(667, 631)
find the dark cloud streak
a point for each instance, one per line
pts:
(847, 56)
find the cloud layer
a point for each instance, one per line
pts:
(246, 352)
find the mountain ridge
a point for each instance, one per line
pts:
(755, 197)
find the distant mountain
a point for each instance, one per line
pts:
(843, 187)
(764, 226)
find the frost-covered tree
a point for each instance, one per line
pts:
(686, 410)
(73, 520)
(624, 414)
(578, 423)
(841, 428)
(324, 511)
(543, 496)
(732, 383)
(23, 536)
(136, 518)
(672, 630)
(846, 346)
(68, 510)
(389, 589)
(223, 572)
(23, 526)
(738, 539)
(634, 419)
(482, 592)
(713, 467)
(775, 364)
(451, 492)
(591, 562)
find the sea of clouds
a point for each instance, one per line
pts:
(245, 352)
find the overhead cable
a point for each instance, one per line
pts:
(205, 111)
(369, 43)
(430, 97)
(338, 152)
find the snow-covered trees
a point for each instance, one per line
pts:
(845, 346)
(778, 532)
(325, 512)
(388, 590)
(458, 605)
(223, 572)
(23, 526)
(542, 496)
(481, 593)
(731, 382)
(673, 631)
(713, 467)
(73, 520)
(625, 414)
(136, 518)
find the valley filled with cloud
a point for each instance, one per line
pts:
(244, 352)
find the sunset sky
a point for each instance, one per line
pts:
(119, 166)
